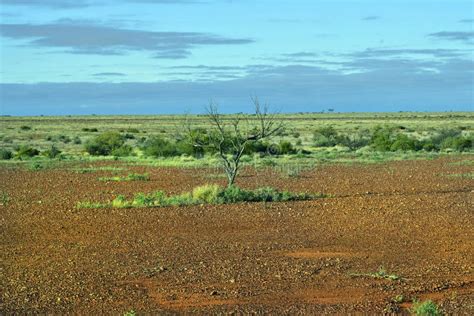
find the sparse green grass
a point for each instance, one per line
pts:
(4, 198)
(130, 313)
(469, 162)
(88, 204)
(381, 273)
(469, 175)
(206, 194)
(97, 169)
(129, 177)
(426, 308)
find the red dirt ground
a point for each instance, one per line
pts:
(296, 257)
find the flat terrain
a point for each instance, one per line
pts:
(413, 218)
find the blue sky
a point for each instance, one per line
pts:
(173, 56)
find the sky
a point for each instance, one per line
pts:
(61, 57)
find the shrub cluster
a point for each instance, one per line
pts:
(386, 139)
(329, 137)
(394, 139)
(207, 194)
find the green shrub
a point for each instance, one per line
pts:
(25, 151)
(404, 143)
(256, 147)
(286, 148)
(120, 202)
(64, 138)
(158, 147)
(186, 148)
(53, 152)
(426, 308)
(25, 128)
(77, 140)
(325, 137)
(122, 151)
(353, 142)
(458, 143)
(93, 130)
(234, 194)
(208, 193)
(5, 154)
(428, 145)
(381, 139)
(133, 130)
(141, 199)
(104, 144)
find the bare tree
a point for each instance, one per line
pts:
(230, 135)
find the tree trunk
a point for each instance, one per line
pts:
(231, 174)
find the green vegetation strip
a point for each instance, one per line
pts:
(129, 177)
(206, 194)
(96, 169)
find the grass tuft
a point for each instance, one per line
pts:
(381, 273)
(426, 308)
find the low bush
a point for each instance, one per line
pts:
(25, 151)
(129, 136)
(404, 143)
(52, 152)
(123, 151)
(286, 148)
(329, 137)
(77, 140)
(25, 128)
(458, 143)
(207, 193)
(159, 147)
(382, 138)
(64, 138)
(87, 129)
(426, 308)
(325, 137)
(105, 144)
(5, 154)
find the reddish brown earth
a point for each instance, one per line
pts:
(297, 257)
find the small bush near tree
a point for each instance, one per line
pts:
(286, 148)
